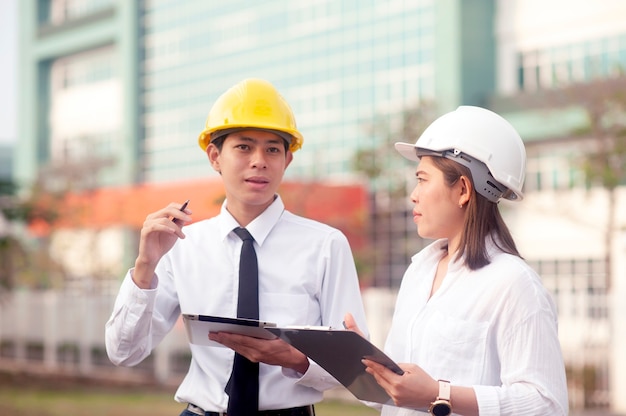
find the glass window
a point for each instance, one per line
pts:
(579, 284)
(57, 12)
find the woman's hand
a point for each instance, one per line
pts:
(414, 389)
(350, 324)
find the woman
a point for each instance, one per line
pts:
(472, 318)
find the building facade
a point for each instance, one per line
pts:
(115, 93)
(563, 66)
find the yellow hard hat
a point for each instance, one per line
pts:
(252, 103)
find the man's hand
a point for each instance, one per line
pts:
(160, 231)
(272, 352)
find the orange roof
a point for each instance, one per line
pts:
(342, 206)
(129, 206)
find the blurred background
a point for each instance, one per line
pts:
(102, 101)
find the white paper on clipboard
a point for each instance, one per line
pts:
(198, 328)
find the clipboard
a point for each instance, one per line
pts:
(339, 352)
(198, 328)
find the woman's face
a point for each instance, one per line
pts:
(437, 213)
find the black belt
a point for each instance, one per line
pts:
(294, 411)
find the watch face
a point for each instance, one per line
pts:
(441, 409)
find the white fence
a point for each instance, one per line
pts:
(65, 332)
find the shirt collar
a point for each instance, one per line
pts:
(259, 228)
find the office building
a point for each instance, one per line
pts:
(115, 93)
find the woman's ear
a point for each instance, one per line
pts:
(465, 190)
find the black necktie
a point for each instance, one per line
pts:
(243, 386)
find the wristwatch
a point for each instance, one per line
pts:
(442, 406)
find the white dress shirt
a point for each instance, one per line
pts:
(307, 276)
(493, 329)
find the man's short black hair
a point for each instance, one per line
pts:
(219, 142)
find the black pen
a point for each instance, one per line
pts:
(182, 208)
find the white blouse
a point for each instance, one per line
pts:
(493, 329)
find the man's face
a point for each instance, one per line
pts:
(252, 164)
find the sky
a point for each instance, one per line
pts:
(8, 70)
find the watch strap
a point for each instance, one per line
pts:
(444, 390)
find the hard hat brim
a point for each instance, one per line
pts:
(293, 138)
(407, 150)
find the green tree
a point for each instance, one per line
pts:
(378, 161)
(604, 102)
(11, 251)
(21, 262)
(390, 246)
(604, 160)
(604, 165)
(602, 137)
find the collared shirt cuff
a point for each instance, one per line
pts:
(315, 377)
(488, 400)
(153, 284)
(137, 295)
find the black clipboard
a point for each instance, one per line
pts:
(339, 352)
(198, 328)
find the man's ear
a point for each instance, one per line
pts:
(214, 157)
(288, 158)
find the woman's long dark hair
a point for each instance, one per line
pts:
(483, 221)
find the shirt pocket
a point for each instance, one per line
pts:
(458, 348)
(287, 309)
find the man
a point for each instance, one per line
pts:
(306, 273)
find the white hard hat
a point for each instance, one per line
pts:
(481, 140)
